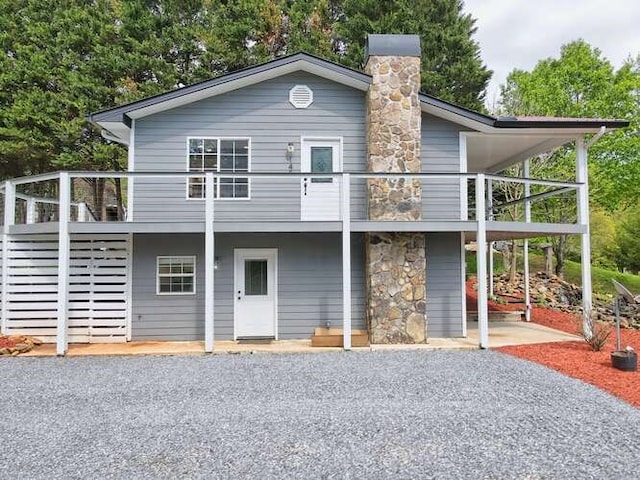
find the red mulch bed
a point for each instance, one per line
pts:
(574, 359)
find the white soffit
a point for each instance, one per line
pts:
(299, 65)
(118, 129)
(494, 152)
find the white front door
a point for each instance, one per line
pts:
(255, 292)
(320, 196)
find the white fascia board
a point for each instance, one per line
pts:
(482, 128)
(299, 65)
(456, 118)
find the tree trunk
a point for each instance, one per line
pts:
(98, 198)
(548, 260)
(559, 251)
(506, 256)
(513, 267)
(118, 185)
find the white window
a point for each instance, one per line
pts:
(219, 155)
(176, 275)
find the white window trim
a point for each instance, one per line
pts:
(217, 198)
(158, 258)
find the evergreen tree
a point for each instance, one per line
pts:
(451, 65)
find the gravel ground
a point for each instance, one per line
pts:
(335, 415)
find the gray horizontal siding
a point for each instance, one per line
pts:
(440, 153)
(263, 113)
(444, 285)
(309, 284)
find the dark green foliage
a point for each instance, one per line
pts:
(628, 241)
(451, 66)
(61, 59)
(582, 83)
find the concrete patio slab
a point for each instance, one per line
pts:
(501, 334)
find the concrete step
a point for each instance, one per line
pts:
(332, 337)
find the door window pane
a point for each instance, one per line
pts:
(255, 277)
(321, 162)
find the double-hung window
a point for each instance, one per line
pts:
(176, 275)
(220, 155)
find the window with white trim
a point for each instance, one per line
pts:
(219, 155)
(176, 275)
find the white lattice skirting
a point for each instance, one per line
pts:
(99, 279)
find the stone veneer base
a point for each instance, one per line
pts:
(396, 289)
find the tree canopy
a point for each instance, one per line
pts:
(582, 83)
(61, 59)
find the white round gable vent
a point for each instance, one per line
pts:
(301, 96)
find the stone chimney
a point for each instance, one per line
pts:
(396, 262)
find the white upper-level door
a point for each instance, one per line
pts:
(320, 196)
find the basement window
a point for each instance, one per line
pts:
(176, 275)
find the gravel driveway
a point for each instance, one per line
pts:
(477, 414)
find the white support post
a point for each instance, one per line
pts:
(525, 248)
(131, 155)
(490, 205)
(582, 176)
(129, 286)
(481, 260)
(209, 259)
(31, 210)
(82, 212)
(346, 261)
(9, 219)
(64, 245)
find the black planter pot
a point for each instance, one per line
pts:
(625, 361)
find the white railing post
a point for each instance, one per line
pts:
(490, 207)
(346, 260)
(9, 219)
(31, 210)
(82, 212)
(526, 172)
(582, 176)
(9, 204)
(209, 259)
(481, 260)
(64, 244)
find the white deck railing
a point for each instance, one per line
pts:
(464, 189)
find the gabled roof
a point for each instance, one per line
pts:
(233, 81)
(117, 121)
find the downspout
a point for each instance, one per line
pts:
(596, 137)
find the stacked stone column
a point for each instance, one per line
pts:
(395, 261)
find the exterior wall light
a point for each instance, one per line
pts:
(289, 155)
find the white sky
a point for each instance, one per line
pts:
(518, 33)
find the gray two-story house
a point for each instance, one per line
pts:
(284, 197)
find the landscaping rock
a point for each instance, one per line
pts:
(553, 292)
